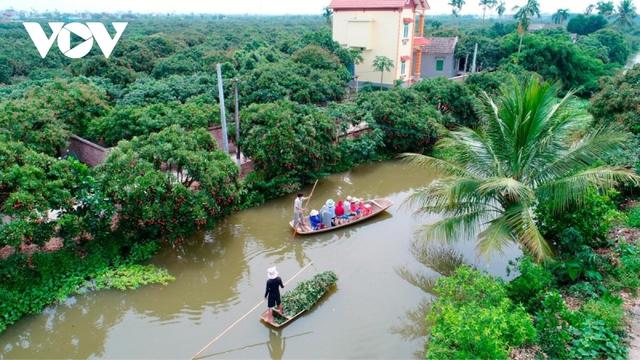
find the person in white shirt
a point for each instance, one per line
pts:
(298, 211)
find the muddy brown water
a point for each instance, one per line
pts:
(220, 275)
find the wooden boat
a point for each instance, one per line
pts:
(377, 206)
(264, 317)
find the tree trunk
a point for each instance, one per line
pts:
(381, 76)
(520, 46)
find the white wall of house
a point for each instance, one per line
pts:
(379, 33)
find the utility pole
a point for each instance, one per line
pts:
(223, 117)
(466, 63)
(355, 78)
(475, 56)
(237, 119)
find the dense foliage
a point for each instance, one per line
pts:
(168, 183)
(534, 148)
(307, 293)
(619, 101)
(471, 303)
(289, 139)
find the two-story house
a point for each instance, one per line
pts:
(390, 28)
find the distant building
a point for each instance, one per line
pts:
(543, 26)
(438, 57)
(387, 28)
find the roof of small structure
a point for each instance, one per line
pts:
(438, 45)
(373, 4)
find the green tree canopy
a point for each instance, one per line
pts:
(169, 183)
(407, 121)
(584, 25)
(619, 101)
(452, 99)
(125, 122)
(288, 139)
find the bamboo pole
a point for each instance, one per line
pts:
(244, 316)
(308, 199)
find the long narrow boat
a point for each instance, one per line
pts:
(286, 319)
(377, 206)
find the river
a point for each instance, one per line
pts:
(220, 274)
(635, 59)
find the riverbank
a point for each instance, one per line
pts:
(220, 274)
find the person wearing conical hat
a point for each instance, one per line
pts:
(272, 293)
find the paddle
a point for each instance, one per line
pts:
(308, 199)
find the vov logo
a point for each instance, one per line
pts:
(89, 32)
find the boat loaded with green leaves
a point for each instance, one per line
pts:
(302, 298)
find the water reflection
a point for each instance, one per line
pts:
(437, 261)
(276, 344)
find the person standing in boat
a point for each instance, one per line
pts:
(272, 293)
(298, 216)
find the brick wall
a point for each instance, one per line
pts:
(87, 152)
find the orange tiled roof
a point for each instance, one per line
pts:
(372, 4)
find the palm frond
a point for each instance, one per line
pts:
(442, 166)
(524, 229)
(583, 154)
(507, 189)
(495, 237)
(453, 228)
(571, 190)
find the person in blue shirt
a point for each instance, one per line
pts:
(315, 219)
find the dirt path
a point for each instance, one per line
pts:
(634, 331)
(632, 306)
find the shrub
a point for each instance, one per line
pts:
(627, 275)
(593, 340)
(592, 220)
(608, 309)
(633, 217)
(553, 329)
(469, 304)
(534, 280)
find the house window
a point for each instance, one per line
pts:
(403, 67)
(405, 32)
(440, 64)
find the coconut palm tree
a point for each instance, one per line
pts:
(487, 4)
(523, 15)
(625, 14)
(589, 9)
(560, 16)
(533, 148)
(501, 9)
(456, 6)
(605, 8)
(327, 13)
(382, 64)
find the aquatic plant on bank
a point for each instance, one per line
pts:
(132, 276)
(307, 293)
